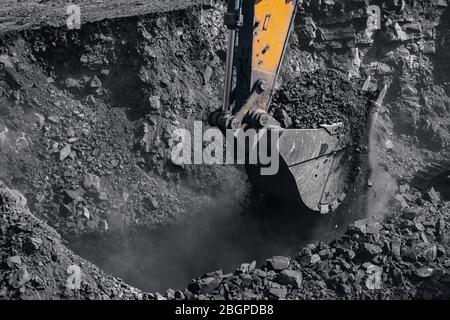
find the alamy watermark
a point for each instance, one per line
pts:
(254, 147)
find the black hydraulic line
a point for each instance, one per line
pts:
(234, 10)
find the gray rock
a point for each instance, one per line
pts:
(397, 276)
(170, 294)
(433, 196)
(14, 261)
(396, 249)
(370, 250)
(410, 214)
(91, 181)
(307, 260)
(290, 277)
(64, 153)
(153, 103)
(424, 273)
(20, 278)
(427, 251)
(73, 83)
(278, 263)
(278, 293)
(409, 254)
(34, 243)
(179, 295)
(357, 227)
(18, 197)
(95, 82)
(373, 227)
(204, 286)
(207, 75)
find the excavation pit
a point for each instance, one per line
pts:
(99, 107)
(85, 123)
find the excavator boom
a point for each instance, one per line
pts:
(315, 164)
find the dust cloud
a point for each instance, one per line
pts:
(221, 234)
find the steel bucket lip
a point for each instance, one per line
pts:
(286, 185)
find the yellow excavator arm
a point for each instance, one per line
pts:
(263, 31)
(272, 23)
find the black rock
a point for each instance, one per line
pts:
(278, 263)
(369, 250)
(290, 277)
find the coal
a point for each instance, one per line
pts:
(278, 293)
(370, 250)
(365, 260)
(321, 97)
(433, 196)
(290, 277)
(278, 263)
(325, 97)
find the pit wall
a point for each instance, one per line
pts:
(87, 119)
(408, 51)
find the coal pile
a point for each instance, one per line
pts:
(321, 97)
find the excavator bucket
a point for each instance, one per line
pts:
(314, 169)
(314, 164)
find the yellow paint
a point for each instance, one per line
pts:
(273, 18)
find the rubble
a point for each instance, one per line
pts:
(33, 272)
(65, 152)
(392, 262)
(433, 196)
(322, 97)
(384, 269)
(290, 277)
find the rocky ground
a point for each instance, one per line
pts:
(36, 264)
(85, 135)
(404, 255)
